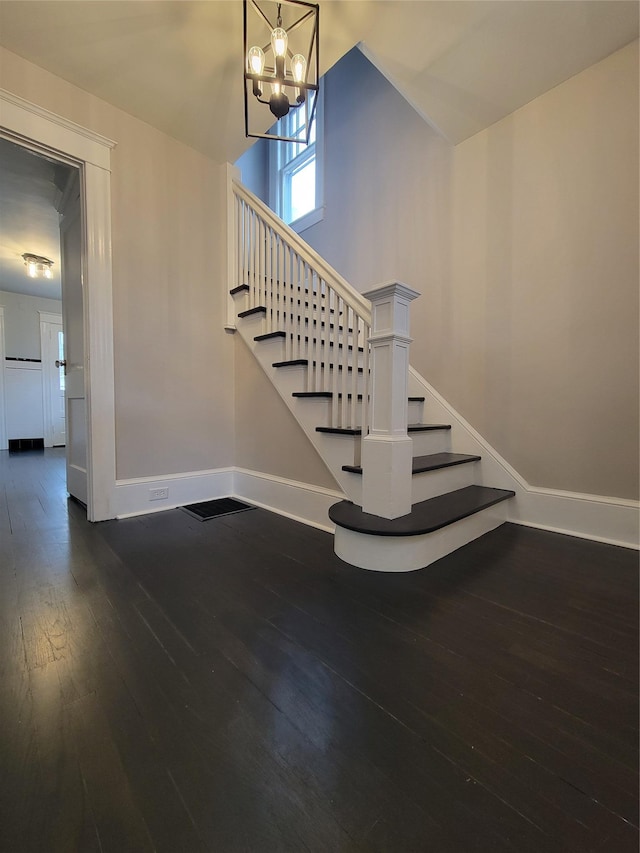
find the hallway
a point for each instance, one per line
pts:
(173, 685)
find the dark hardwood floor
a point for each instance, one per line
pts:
(173, 685)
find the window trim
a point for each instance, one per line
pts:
(276, 174)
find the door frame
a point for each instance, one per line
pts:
(45, 132)
(47, 319)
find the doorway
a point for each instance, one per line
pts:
(53, 379)
(42, 214)
(38, 130)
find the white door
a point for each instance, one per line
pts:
(73, 362)
(53, 380)
(3, 405)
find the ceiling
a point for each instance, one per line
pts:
(176, 64)
(463, 64)
(29, 222)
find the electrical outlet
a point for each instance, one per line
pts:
(158, 494)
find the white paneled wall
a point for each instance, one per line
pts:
(23, 399)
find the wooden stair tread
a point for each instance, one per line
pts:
(430, 462)
(340, 430)
(304, 362)
(435, 461)
(308, 321)
(425, 517)
(282, 334)
(269, 336)
(293, 362)
(286, 286)
(329, 395)
(358, 431)
(426, 427)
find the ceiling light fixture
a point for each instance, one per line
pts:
(287, 64)
(37, 266)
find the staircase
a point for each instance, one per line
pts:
(347, 385)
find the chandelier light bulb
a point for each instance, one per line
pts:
(299, 67)
(256, 60)
(279, 40)
(48, 273)
(32, 269)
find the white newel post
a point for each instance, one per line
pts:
(387, 449)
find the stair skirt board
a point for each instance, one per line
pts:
(410, 553)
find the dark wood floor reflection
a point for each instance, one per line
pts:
(173, 685)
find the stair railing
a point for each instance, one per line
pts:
(324, 319)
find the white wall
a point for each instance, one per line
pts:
(544, 273)
(268, 438)
(22, 322)
(253, 165)
(173, 365)
(524, 243)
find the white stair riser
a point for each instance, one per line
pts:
(431, 441)
(415, 412)
(312, 326)
(308, 381)
(241, 301)
(251, 326)
(303, 346)
(408, 553)
(414, 415)
(290, 293)
(430, 484)
(328, 355)
(272, 349)
(312, 412)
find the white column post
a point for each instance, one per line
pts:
(387, 451)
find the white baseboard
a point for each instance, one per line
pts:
(132, 496)
(300, 501)
(599, 518)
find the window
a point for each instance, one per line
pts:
(296, 171)
(61, 377)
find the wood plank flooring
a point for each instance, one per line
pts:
(173, 685)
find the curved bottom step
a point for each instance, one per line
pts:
(433, 529)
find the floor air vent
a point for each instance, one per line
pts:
(213, 509)
(19, 444)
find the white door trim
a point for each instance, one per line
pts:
(38, 129)
(46, 320)
(3, 408)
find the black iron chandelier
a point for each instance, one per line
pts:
(282, 74)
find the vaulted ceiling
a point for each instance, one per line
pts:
(177, 64)
(463, 64)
